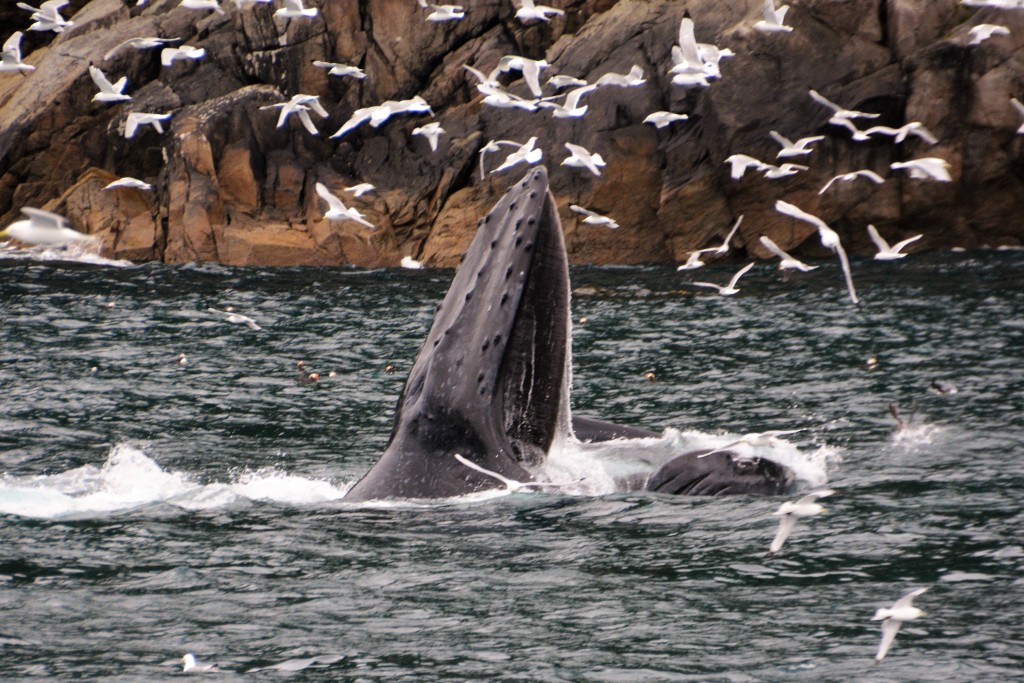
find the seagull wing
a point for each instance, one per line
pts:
(902, 243)
(845, 263)
(786, 524)
(741, 273)
(586, 212)
(307, 122)
(13, 45)
(100, 79)
(44, 219)
(572, 100)
(822, 100)
(728, 238)
(1017, 105)
(908, 599)
(814, 495)
(774, 248)
(890, 627)
(688, 42)
(870, 175)
(333, 202)
(358, 118)
(779, 138)
(877, 239)
(790, 210)
(768, 12)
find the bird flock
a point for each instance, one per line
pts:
(694, 65)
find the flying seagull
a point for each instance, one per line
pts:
(794, 149)
(829, 240)
(885, 252)
(789, 512)
(236, 318)
(853, 175)
(592, 217)
(729, 289)
(774, 18)
(42, 228)
(893, 617)
(787, 261)
(337, 211)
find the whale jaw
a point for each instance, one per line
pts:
(491, 380)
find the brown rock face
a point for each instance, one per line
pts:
(232, 186)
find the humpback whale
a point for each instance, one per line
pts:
(491, 381)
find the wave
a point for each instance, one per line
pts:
(129, 479)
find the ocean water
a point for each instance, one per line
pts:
(151, 507)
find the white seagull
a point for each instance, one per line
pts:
(632, 79)
(109, 92)
(410, 263)
(294, 9)
(829, 240)
(526, 152)
(360, 189)
(136, 119)
(730, 288)
(564, 81)
(380, 113)
(579, 157)
(190, 666)
(432, 132)
(660, 119)
(983, 32)
(925, 168)
(774, 19)
(900, 134)
(693, 261)
(787, 262)
(42, 228)
(893, 617)
(236, 318)
(1020, 110)
(338, 69)
(529, 11)
(133, 183)
(739, 163)
(530, 68)
(885, 252)
(171, 54)
(299, 105)
(202, 5)
(773, 172)
(446, 13)
(10, 57)
(337, 211)
(511, 485)
(144, 43)
(769, 439)
(593, 218)
(853, 175)
(47, 16)
(794, 149)
(493, 146)
(571, 107)
(789, 512)
(839, 112)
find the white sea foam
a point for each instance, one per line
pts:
(130, 479)
(599, 468)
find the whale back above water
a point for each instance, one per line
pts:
(491, 381)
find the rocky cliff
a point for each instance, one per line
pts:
(231, 186)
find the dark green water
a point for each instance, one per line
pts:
(149, 509)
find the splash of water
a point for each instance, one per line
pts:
(130, 479)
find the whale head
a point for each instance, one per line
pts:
(490, 382)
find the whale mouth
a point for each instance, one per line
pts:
(535, 368)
